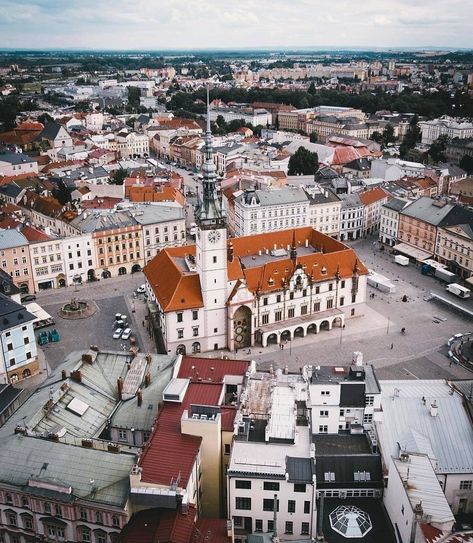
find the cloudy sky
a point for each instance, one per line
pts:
(184, 24)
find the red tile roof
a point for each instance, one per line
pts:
(210, 368)
(170, 453)
(431, 534)
(228, 418)
(177, 289)
(372, 195)
(345, 154)
(105, 202)
(159, 525)
(210, 530)
(30, 233)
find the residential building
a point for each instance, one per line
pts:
(236, 293)
(132, 145)
(454, 248)
(445, 126)
(46, 213)
(392, 169)
(427, 417)
(15, 259)
(117, 240)
(47, 264)
(79, 258)
(13, 164)
(372, 200)
(351, 222)
(456, 149)
(183, 465)
(324, 210)
(389, 222)
(255, 117)
(19, 357)
(418, 224)
(54, 137)
(163, 225)
(258, 211)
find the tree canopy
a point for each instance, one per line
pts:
(303, 162)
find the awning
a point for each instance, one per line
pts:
(42, 317)
(411, 251)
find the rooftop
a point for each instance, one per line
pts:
(408, 425)
(12, 313)
(340, 444)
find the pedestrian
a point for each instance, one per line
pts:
(450, 365)
(282, 347)
(392, 346)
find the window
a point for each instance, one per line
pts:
(195, 331)
(367, 418)
(270, 525)
(47, 508)
(465, 485)
(243, 503)
(195, 315)
(316, 306)
(265, 318)
(27, 522)
(100, 537)
(238, 521)
(353, 299)
(180, 333)
(317, 290)
(11, 518)
(25, 502)
(291, 296)
(299, 487)
(291, 506)
(122, 435)
(271, 485)
(304, 309)
(265, 301)
(290, 313)
(342, 284)
(258, 525)
(369, 400)
(115, 521)
(242, 484)
(325, 393)
(227, 448)
(278, 298)
(324, 413)
(330, 287)
(306, 507)
(82, 514)
(323, 429)
(85, 535)
(98, 517)
(268, 504)
(58, 510)
(289, 527)
(329, 476)
(342, 300)
(278, 315)
(330, 303)
(305, 528)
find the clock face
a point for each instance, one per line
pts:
(214, 236)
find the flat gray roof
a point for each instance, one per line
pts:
(428, 210)
(11, 238)
(407, 423)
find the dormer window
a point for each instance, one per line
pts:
(323, 271)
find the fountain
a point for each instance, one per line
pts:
(77, 309)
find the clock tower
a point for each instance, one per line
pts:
(211, 251)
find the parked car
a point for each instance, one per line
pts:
(28, 298)
(126, 333)
(118, 333)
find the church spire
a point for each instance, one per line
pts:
(209, 210)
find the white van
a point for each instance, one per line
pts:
(458, 290)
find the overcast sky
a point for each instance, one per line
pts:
(186, 24)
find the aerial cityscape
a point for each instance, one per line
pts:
(236, 247)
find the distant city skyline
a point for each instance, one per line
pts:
(208, 24)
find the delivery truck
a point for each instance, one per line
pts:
(458, 290)
(401, 260)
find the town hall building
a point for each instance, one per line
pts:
(224, 293)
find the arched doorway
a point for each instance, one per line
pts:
(61, 281)
(312, 329)
(135, 268)
(272, 339)
(91, 275)
(196, 347)
(299, 332)
(26, 373)
(286, 335)
(181, 349)
(122, 271)
(13, 378)
(337, 322)
(106, 274)
(242, 327)
(324, 325)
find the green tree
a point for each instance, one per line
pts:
(312, 90)
(437, 148)
(45, 118)
(118, 177)
(388, 134)
(466, 163)
(411, 138)
(313, 137)
(303, 162)
(62, 193)
(377, 137)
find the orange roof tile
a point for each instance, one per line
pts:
(372, 195)
(176, 288)
(345, 154)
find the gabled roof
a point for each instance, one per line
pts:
(371, 196)
(50, 131)
(169, 453)
(12, 313)
(428, 210)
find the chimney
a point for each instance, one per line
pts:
(148, 358)
(119, 387)
(434, 409)
(63, 375)
(147, 379)
(76, 376)
(139, 396)
(230, 252)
